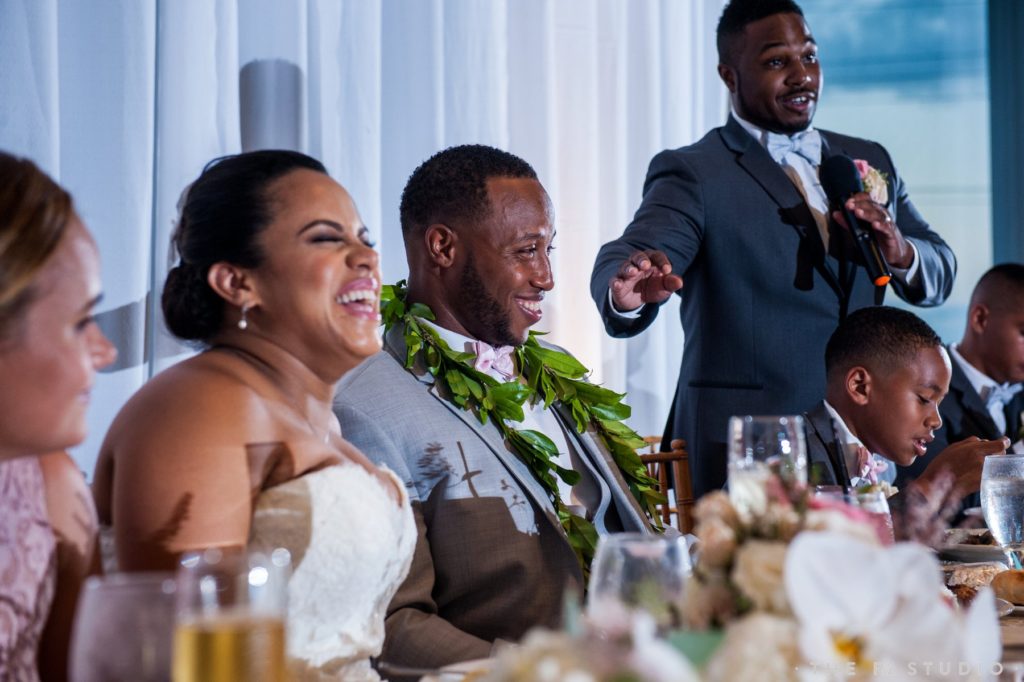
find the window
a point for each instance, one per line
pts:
(913, 75)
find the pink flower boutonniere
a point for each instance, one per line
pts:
(876, 183)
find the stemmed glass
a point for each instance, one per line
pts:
(1002, 503)
(123, 628)
(636, 571)
(760, 447)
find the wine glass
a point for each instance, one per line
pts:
(1002, 503)
(760, 447)
(123, 628)
(640, 572)
(231, 608)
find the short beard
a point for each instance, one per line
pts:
(486, 311)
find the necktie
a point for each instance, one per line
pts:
(999, 395)
(499, 359)
(806, 145)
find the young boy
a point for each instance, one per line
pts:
(886, 373)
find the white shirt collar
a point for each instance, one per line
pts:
(981, 382)
(843, 433)
(758, 133)
(455, 340)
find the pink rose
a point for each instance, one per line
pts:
(875, 182)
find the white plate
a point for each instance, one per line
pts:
(1003, 607)
(456, 672)
(956, 550)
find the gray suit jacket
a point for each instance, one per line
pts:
(491, 559)
(761, 295)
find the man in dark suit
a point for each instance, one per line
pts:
(741, 216)
(985, 392)
(887, 374)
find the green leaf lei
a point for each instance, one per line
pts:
(546, 375)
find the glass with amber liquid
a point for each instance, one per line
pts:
(231, 617)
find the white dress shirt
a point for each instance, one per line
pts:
(983, 385)
(850, 444)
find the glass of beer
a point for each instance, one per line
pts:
(231, 608)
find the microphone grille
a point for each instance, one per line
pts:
(839, 178)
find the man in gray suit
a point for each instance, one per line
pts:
(492, 559)
(741, 216)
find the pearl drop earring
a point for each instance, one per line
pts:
(243, 323)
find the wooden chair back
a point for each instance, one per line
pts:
(672, 471)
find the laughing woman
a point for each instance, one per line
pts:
(238, 445)
(50, 349)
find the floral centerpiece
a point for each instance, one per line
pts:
(607, 644)
(805, 588)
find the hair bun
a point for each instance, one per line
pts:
(192, 311)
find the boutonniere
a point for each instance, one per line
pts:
(876, 183)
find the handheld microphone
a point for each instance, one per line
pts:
(841, 180)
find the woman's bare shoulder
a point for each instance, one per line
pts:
(68, 502)
(208, 391)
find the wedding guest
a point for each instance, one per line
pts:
(770, 269)
(50, 350)
(510, 477)
(985, 397)
(237, 446)
(887, 373)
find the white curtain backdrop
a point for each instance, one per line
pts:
(124, 102)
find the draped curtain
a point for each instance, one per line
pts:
(124, 102)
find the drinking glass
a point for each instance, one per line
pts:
(1002, 503)
(231, 608)
(758, 448)
(123, 628)
(876, 505)
(636, 571)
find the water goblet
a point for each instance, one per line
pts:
(640, 572)
(1002, 503)
(123, 629)
(760, 447)
(231, 609)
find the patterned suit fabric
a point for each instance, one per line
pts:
(491, 559)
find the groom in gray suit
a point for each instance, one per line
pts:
(492, 559)
(770, 269)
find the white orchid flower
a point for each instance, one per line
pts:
(868, 612)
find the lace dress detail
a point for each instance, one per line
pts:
(351, 547)
(28, 567)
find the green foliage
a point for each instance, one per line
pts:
(546, 376)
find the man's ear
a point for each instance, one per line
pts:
(441, 242)
(233, 284)
(977, 317)
(858, 385)
(728, 76)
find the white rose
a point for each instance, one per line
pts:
(758, 573)
(716, 505)
(717, 543)
(707, 603)
(837, 521)
(757, 647)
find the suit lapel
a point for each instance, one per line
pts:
(394, 343)
(758, 163)
(606, 470)
(823, 430)
(975, 410)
